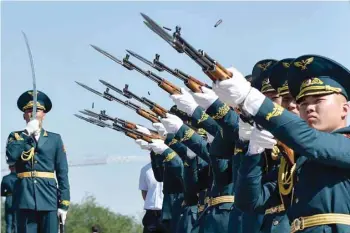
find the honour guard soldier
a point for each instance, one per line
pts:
(320, 140)
(261, 170)
(40, 158)
(7, 190)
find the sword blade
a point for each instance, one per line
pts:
(110, 56)
(141, 58)
(35, 94)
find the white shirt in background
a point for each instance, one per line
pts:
(147, 182)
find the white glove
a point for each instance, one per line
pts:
(62, 214)
(160, 128)
(158, 146)
(33, 127)
(185, 102)
(260, 140)
(172, 123)
(210, 138)
(245, 130)
(190, 153)
(205, 99)
(232, 91)
(143, 144)
(142, 129)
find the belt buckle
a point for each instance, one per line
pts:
(34, 173)
(298, 224)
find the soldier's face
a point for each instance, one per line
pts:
(325, 112)
(288, 102)
(274, 96)
(40, 115)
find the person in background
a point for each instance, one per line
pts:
(152, 194)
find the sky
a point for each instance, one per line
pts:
(60, 33)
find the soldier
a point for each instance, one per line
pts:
(320, 140)
(7, 190)
(37, 155)
(253, 176)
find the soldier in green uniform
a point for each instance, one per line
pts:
(272, 83)
(7, 190)
(319, 180)
(220, 206)
(40, 158)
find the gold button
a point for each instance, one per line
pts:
(35, 161)
(35, 181)
(275, 222)
(296, 200)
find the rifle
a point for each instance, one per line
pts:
(128, 132)
(142, 112)
(192, 83)
(127, 124)
(162, 83)
(213, 69)
(160, 111)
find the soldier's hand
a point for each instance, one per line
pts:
(158, 146)
(33, 127)
(244, 130)
(160, 128)
(172, 123)
(62, 214)
(142, 129)
(232, 91)
(185, 102)
(260, 140)
(143, 144)
(205, 99)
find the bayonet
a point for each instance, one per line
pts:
(142, 112)
(163, 83)
(104, 117)
(192, 83)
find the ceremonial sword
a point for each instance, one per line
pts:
(35, 94)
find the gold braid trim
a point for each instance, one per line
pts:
(169, 157)
(285, 177)
(18, 138)
(27, 155)
(237, 150)
(172, 142)
(222, 112)
(188, 134)
(204, 117)
(275, 152)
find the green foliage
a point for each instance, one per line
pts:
(81, 217)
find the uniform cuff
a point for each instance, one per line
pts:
(253, 101)
(64, 204)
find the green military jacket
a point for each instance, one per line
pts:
(34, 192)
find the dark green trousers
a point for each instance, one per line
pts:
(10, 219)
(31, 221)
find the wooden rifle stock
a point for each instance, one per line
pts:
(131, 135)
(218, 74)
(159, 110)
(287, 152)
(148, 116)
(193, 86)
(169, 87)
